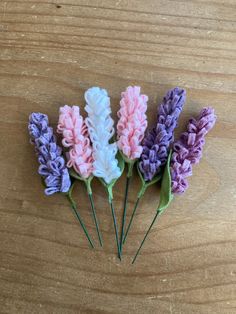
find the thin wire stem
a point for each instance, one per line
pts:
(73, 206)
(95, 218)
(131, 218)
(154, 219)
(140, 194)
(124, 212)
(115, 227)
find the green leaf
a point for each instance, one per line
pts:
(75, 175)
(129, 162)
(146, 184)
(166, 195)
(88, 184)
(110, 185)
(87, 181)
(69, 195)
(71, 189)
(141, 176)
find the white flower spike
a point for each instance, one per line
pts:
(100, 128)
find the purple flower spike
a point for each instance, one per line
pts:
(52, 164)
(188, 149)
(157, 141)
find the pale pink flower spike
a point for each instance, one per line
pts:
(75, 136)
(132, 122)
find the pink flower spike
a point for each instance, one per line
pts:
(132, 122)
(75, 136)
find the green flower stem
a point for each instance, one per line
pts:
(128, 178)
(90, 195)
(73, 206)
(149, 229)
(124, 212)
(140, 194)
(115, 226)
(109, 186)
(131, 219)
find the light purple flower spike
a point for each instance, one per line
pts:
(157, 141)
(52, 164)
(188, 149)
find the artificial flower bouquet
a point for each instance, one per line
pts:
(91, 149)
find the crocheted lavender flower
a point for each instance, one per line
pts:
(188, 149)
(157, 141)
(52, 165)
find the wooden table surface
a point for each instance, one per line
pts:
(50, 53)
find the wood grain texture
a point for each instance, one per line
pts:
(50, 53)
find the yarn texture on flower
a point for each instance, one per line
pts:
(101, 130)
(157, 141)
(187, 151)
(52, 164)
(132, 122)
(75, 136)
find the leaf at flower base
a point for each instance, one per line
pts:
(75, 175)
(87, 181)
(166, 195)
(146, 184)
(127, 160)
(69, 193)
(109, 186)
(141, 176)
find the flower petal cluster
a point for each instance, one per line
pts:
(187, 151)
(75, 136)
(157, 141)
(52, 164)
(132, 122)
(101, 130)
